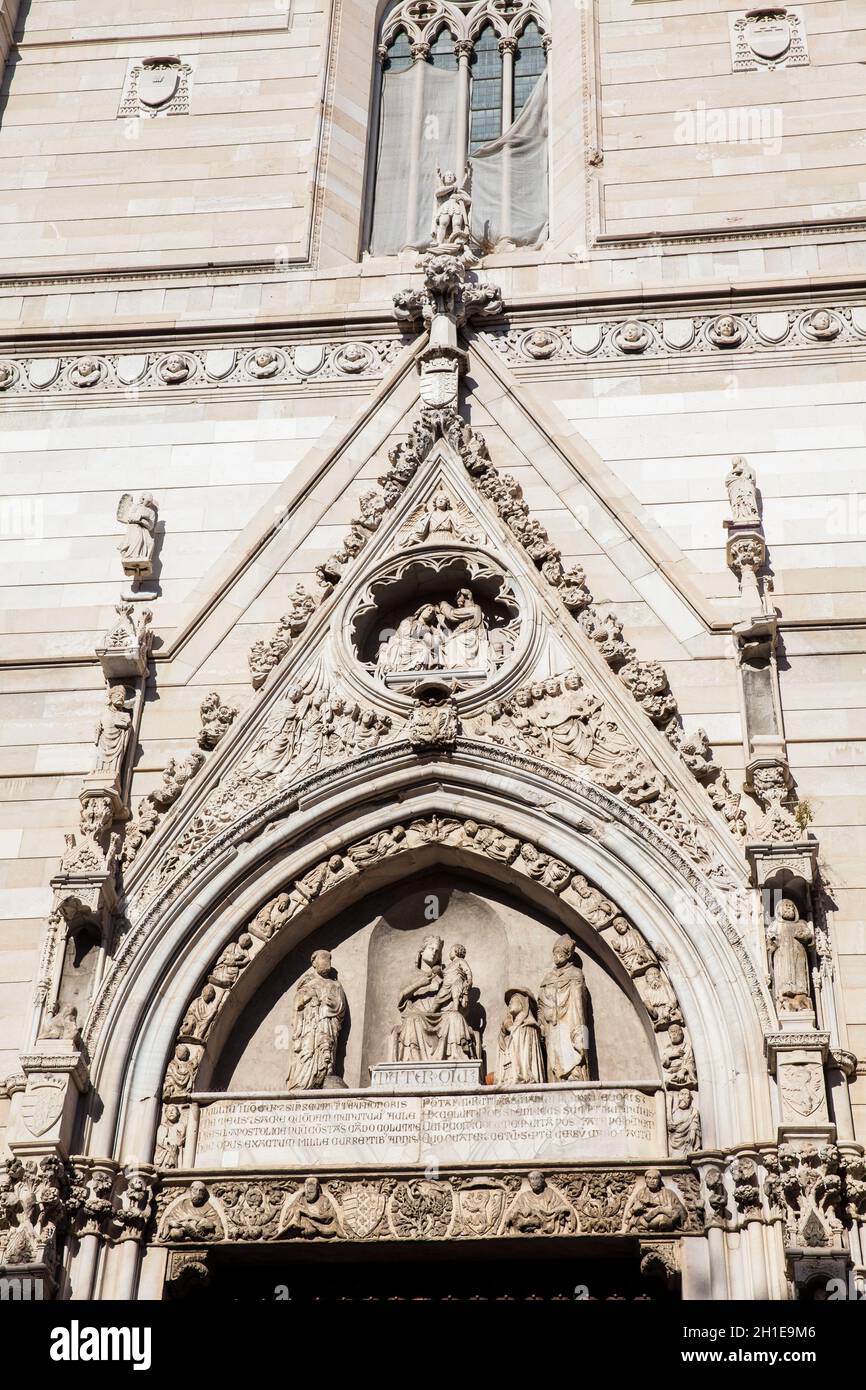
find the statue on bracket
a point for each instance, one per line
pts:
(743, 493)
(787, 939)
(136, 548)
(521, 1059)
(433, 1026)
(563, 1010)
(318, 1013)
(453, 209)
(113, 731)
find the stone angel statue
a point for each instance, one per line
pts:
(453, 208)
(137, 547)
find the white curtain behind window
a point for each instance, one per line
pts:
(509, 179)
(396, 224)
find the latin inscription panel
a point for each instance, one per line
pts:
(523, 1126)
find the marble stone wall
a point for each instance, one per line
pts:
(119, 229)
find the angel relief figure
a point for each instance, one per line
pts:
(440, 521)
(136, 548)
(452, 213)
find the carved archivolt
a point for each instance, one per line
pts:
(620, 935)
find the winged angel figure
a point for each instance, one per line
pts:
(136, 548)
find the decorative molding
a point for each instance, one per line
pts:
(664, 1201)
(422, 22)
(82, 376)
(706, 338)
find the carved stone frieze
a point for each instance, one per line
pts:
(81, 377)
(586, 344)
(559, 718)
(811, 1177)
(393, 1208)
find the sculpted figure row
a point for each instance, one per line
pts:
(473, 1206)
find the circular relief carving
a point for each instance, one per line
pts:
(87, 371)
(353, 358)
(420, 1209)
(453, 619)
(174, 369)
(541, 344)
(264, 363)
(726, 332)
(8, 375)
(821, 325)
(632, 337)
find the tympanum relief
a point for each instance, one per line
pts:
(450, 1016)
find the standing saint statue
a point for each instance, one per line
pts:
(742, 492)
(521, 1060)
(453, 210)
(416, 1037)
(562, 1008)
(112, 731)
(136, 548)
(319, 1011)
(787, 938)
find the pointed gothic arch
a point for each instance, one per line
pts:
(136, 1020)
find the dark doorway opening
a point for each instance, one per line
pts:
(399, 1274)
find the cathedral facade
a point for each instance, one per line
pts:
(433, 650)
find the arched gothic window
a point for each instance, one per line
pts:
(462, 84)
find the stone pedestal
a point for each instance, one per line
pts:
(796, 1056)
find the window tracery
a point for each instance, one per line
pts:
(461, 84)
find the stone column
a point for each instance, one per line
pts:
(420, 53)
(463, 49)
(507, 48)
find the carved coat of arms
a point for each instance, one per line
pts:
(42, 1103)
(158, 83)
